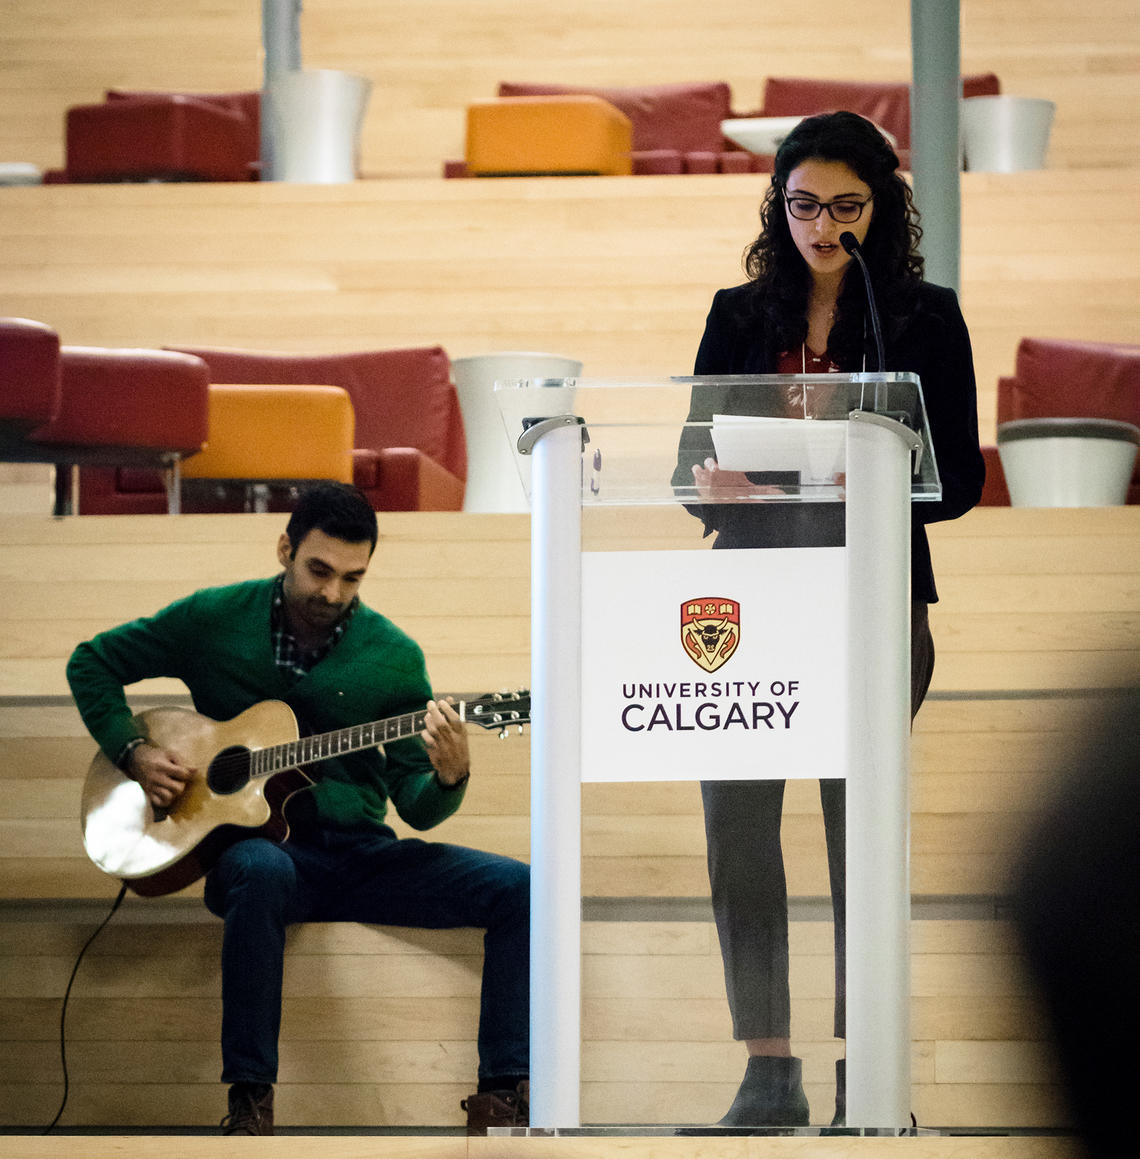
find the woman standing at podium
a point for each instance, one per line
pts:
(804, 310)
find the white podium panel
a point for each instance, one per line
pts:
(726, 665)
(619, 645)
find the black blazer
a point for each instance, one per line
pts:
(934, 344)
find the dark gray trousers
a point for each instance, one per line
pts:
(749, 889)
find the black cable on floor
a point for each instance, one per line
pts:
(63, 1010)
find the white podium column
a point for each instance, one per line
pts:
(555, 771)
(879, 455)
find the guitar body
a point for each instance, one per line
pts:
(245, 771)
(158, 852)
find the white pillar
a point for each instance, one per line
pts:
(555, 801)
(878, 804)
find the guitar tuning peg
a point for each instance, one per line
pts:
(504, 733)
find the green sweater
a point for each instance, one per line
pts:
(217, 642)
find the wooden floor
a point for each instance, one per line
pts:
(443, 1147)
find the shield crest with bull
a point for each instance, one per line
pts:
(710, 630)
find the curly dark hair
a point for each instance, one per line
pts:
(778, 274)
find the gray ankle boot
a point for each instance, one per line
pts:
(771, 1095)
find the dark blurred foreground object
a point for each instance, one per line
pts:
(1076, 899)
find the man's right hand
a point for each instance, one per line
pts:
(161, 774)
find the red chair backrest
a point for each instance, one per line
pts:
(29, 373)
(245, 104)
(1057, 378)
(887, 103)
(401, 398)
(683, 117)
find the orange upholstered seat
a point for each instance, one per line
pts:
(284, 433)
(410, 455)
(548, 135)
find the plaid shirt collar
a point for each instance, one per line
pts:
(290, 659)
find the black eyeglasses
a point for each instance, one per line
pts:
(842, 210)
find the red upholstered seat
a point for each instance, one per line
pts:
(29, 377)
(82, 404)
(164, 136)
(150, 400)
(1059, 378)
(887, 103)
(995, 492)
(676, 127)
(247, 105)
(410, 452)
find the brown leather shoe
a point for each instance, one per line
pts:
(497, 1109)
(251, 1110)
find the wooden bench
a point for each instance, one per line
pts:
(378, 1023)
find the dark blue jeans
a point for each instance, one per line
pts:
(259, 887)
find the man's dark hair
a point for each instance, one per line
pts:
(337, 509)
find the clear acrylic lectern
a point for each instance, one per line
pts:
(858, 445)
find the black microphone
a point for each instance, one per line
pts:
(848, 242)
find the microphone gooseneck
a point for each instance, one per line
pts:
(848, 241)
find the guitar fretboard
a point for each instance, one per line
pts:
(310, 749)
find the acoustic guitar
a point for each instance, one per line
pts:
(247, 768)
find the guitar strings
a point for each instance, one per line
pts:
(244, 760)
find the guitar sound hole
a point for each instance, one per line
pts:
(229, 770)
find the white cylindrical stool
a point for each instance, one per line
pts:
(1004, 134)
(1054, 462)
(493, 482)
(314, 117)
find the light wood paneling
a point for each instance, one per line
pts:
(1036, 599)
(618, 272)
(974, 777)
(397, 1147)
(427, 61)
(1032, 601)
(397, 1010)
(300, 1147)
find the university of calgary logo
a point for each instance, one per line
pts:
(710, 630)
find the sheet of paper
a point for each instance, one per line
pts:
(815, 447)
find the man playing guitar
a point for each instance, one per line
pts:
(305, 639)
